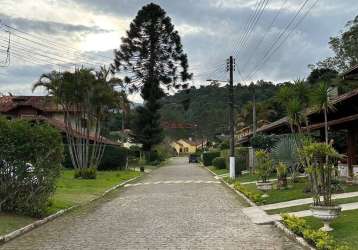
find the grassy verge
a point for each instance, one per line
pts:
(307, 206)
(70, 192)
(10, 222)
(293, 192)
(218, 171)
(345, 228)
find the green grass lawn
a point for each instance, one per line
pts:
(218, 171)
(307, 206)
(345, 228)
(293, 192)
(70, 192)
(10, 222)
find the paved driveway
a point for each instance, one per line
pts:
(175, 207)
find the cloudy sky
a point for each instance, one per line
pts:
(271, 45)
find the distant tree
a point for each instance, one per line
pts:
(345, 48)
(151, 55)
(321, 74)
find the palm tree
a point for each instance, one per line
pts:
(320, 101)
(86, 97)
(295, 114)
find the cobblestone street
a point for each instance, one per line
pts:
(178, 206)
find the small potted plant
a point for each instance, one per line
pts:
(263, 170)
(319, 166)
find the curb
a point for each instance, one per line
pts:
(277, 224)
(21, 231)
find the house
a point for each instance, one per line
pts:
(343, 119)
(189, 146)
(38, 109)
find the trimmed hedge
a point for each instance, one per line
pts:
(219, 163)
(114, 158)
(209, 156)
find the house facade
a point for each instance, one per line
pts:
(189, 146)
(38, 109)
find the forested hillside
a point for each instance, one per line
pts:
(207, 107)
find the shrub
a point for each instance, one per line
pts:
(114, 158)
(30, 162)
(240, 159)
(254, 196)
(219, 163)
(86, 173)
(295, 224)
(209, 156)
(320, 239)
(264, 142)
(264, 166)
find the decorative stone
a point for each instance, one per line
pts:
(326, 214)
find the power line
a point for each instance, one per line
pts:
(57, 44)
(268, 56)
(238, 44)
(258, 44)
(255, 23)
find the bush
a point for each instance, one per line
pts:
(86, 173)
(264, 142)
(320, 239)
(30, 162)
(114, 158)
(240, 159)
(209, 156)
(254, 196)
(264, 166)
(219, 163)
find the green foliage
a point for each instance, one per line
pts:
(146, 126)
(219, 163)
(154, 47)
(224, 145)
(114, 158)
(264, 165)
(85, 173)
(321, 74)
(30, 163)
(345, 48)
(241, 155)
(209, 156)
(320, 171)
(295, 224)
(317, 238)
(208, 108)
(254, 196)
(263, 141)
(281, 170)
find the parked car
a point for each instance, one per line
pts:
(193, 158)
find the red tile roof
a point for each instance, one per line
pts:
(43, 103)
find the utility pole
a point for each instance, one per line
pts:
(231, 68)
(253, 109)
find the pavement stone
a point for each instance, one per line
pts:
(185, 215)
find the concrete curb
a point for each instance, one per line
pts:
(277, 224)
(28, 228)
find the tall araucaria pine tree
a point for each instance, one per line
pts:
(152, 59)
